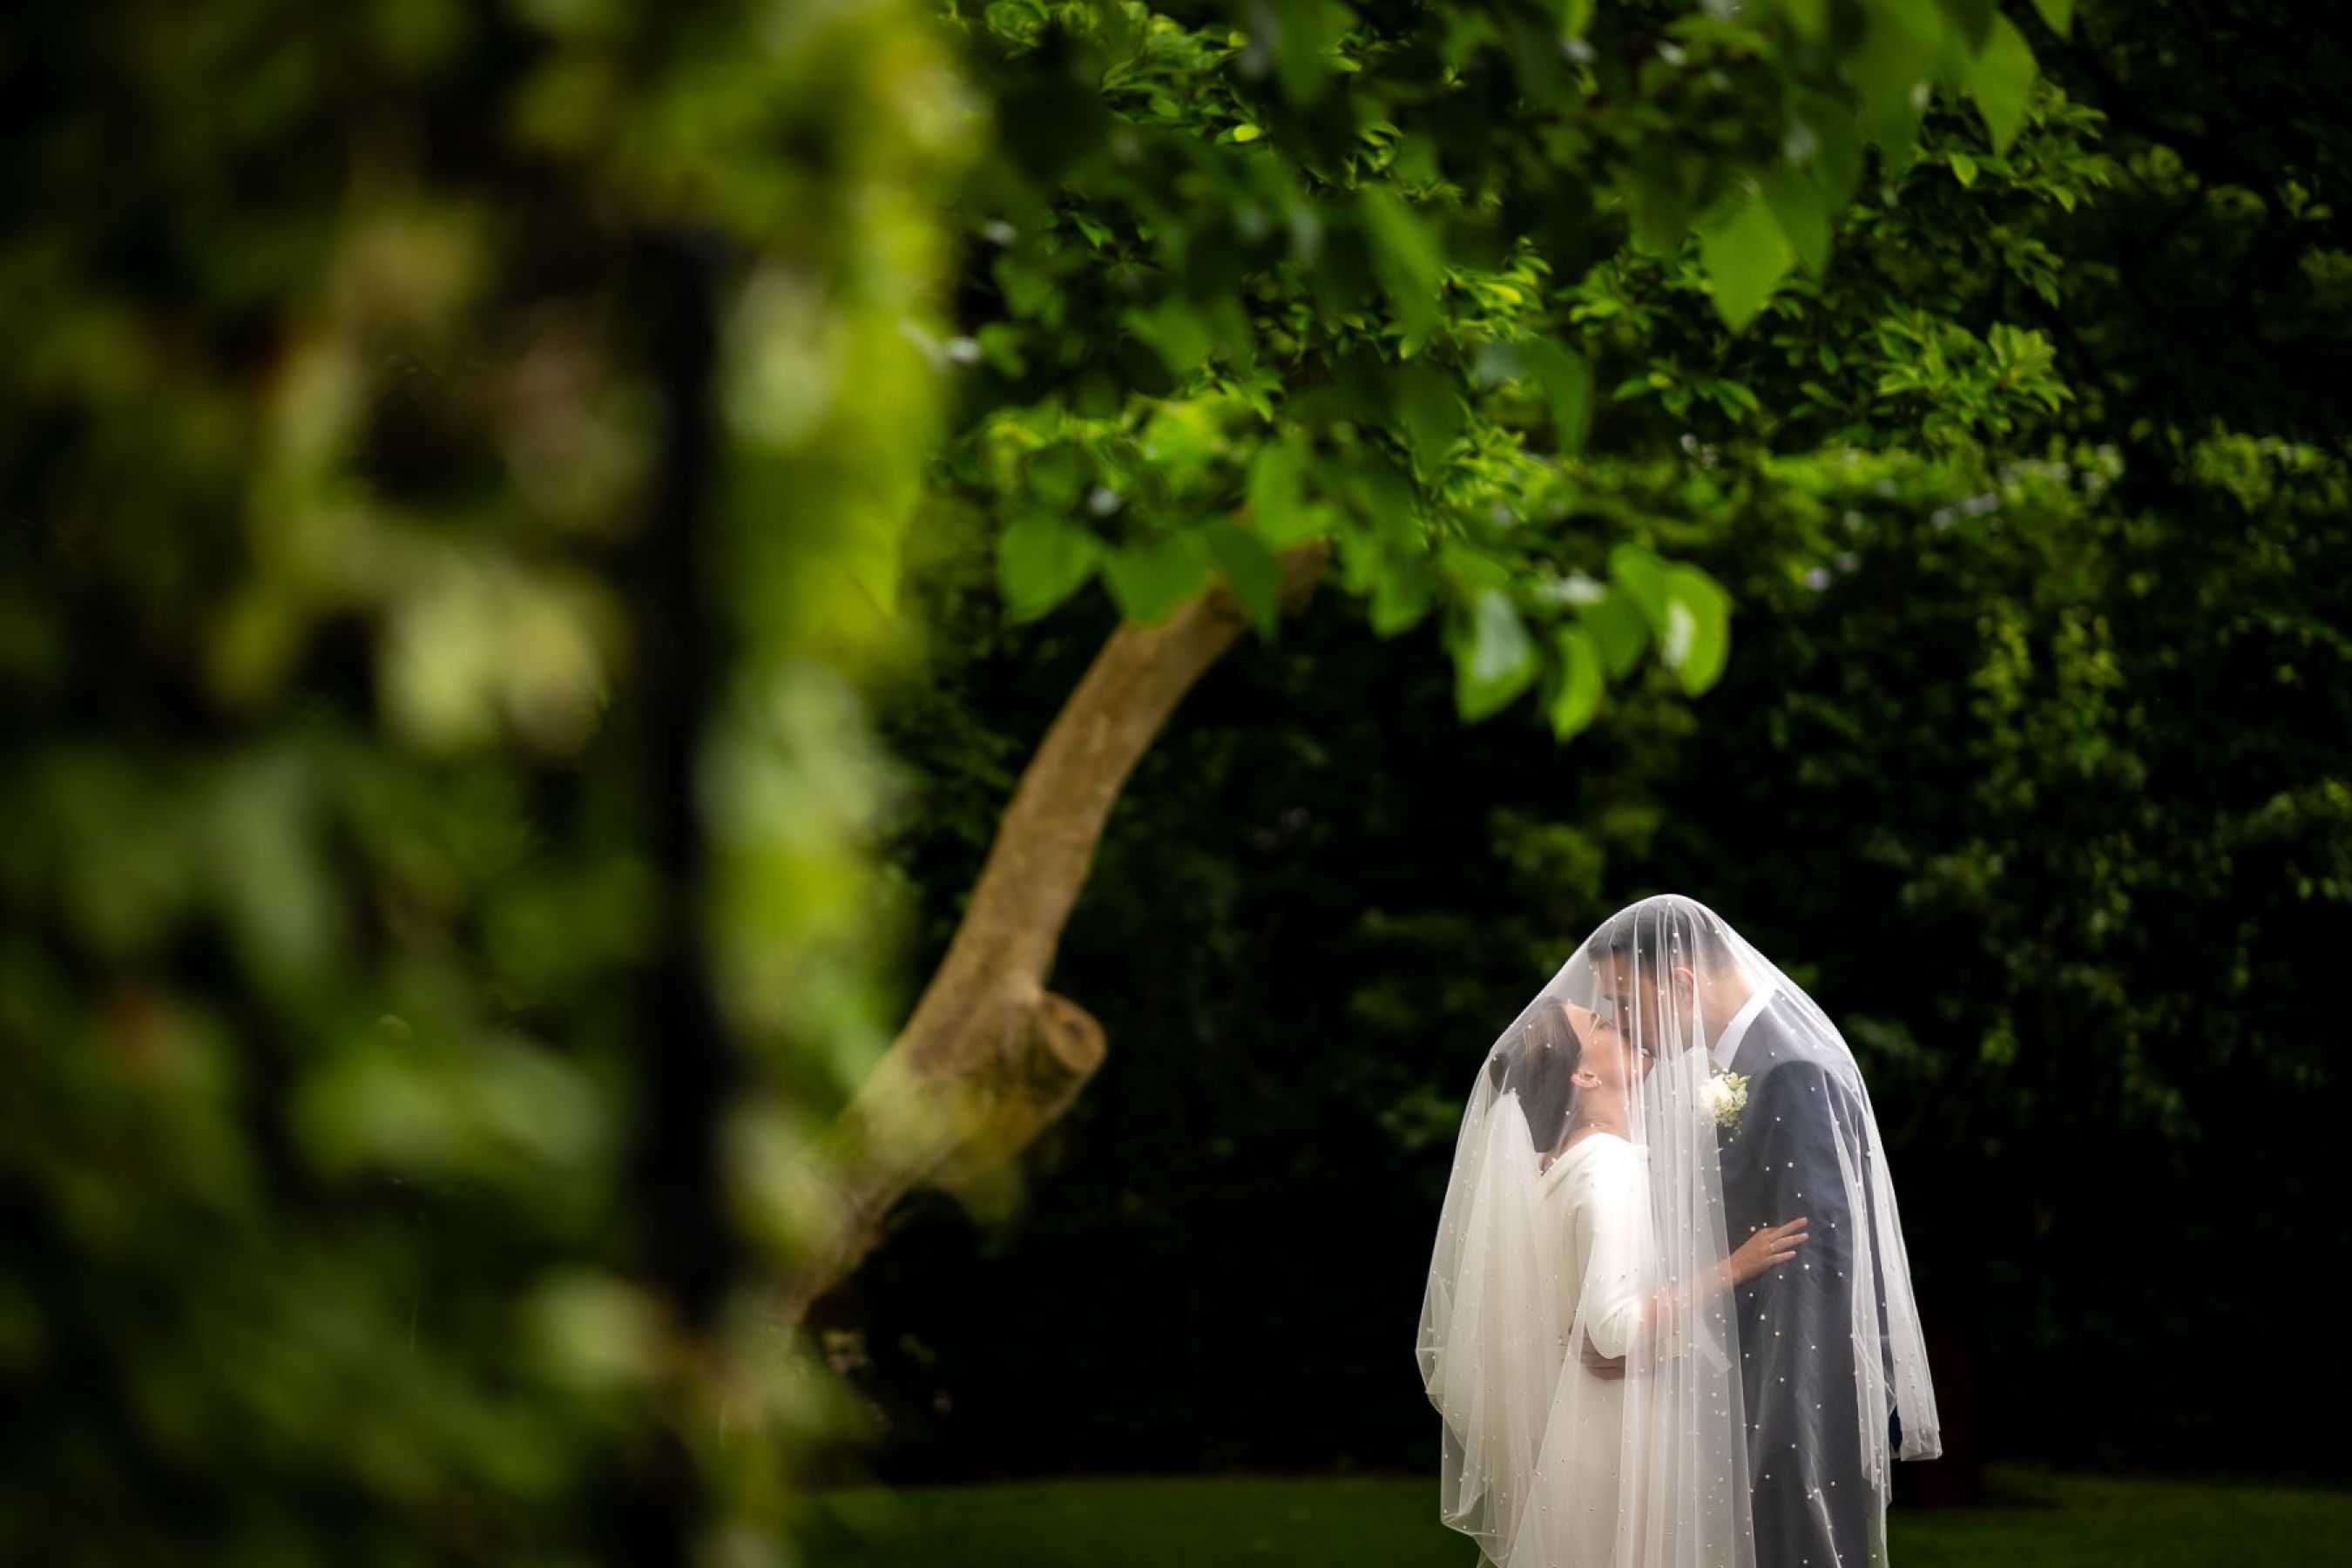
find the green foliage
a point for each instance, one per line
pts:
(1318, 271)
(2030, 497)
(1746, 255)
(2034, 781)
(340, 363)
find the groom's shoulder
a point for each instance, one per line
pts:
(1780, 1038)
(1773, 1036)
(1785, 1011)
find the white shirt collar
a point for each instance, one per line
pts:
(1729, 1046)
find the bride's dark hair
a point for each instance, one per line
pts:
(1537, 1062)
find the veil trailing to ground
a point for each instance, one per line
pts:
(1640, 1357)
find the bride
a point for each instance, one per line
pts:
(1594, 1202)
(1576, 1334)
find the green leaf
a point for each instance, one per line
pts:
(1472, 571)
(1566, 377)
(1150, 577)
(2001, 79)
(1964, 168)
(1249, 569)
(1406, 261)
(1027, 283)
(1837, 160)
(1801, 207)
(1055, 474)
(1659, 211)
(1401, 595)
(1042, 561)
(1279, 509)
(1177, 330)
(1302, 30)
(1578, 696)
(1382, 491)
(1746, 257)
(1494, 658)
(1892, 68)
(1698, 638)
(1618, 629)
(2058, 15)
(1972, 17)
(1430, 410)
(1811, 18)
(1642, 578)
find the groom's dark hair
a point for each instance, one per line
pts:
(1631, 937)
(1627, 934)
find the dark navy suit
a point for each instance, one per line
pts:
(1801, 1129)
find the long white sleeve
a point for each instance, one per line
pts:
(1615, 1214)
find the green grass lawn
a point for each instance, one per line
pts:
(1381, 1522)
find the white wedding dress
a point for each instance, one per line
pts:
(1593, 1201)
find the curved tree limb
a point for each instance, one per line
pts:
(990, 1058)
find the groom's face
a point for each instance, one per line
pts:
(1638, 1005)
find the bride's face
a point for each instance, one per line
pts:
(1608, 1054)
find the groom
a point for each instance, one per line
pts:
(1816, 1503)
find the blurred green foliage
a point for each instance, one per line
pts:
(340, 373)
(338, 377)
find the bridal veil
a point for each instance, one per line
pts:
(1577, 1336)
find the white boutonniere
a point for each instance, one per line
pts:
(1725, 1096)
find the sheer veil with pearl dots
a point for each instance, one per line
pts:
(1606, 1399)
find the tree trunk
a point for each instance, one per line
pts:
(683, 1241)
(990, 1058)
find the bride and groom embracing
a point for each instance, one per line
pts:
(1669, 1320)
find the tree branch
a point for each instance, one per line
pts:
(990, 1059)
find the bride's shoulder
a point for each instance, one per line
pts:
(1616, 1149)
(1596, 1151)
(1614, 1163)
